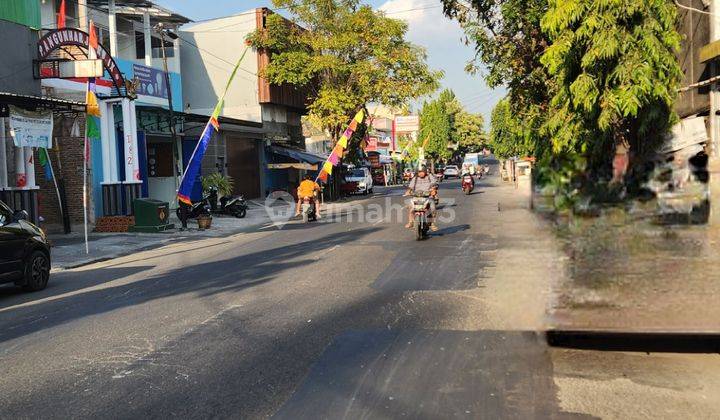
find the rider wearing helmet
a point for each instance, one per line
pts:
(423, 181)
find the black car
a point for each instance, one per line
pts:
(24, 251)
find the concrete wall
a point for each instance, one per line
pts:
(206, 70)
(17, 52)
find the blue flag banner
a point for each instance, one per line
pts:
(193, 169)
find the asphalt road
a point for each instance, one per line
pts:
(344, 318)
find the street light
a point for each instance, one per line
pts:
(162, 31)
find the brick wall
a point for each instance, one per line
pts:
(68, 152)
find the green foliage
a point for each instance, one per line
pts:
(469, 132)
(508, 44)
(614, 66)
(513, 134)
(346, 55)
(437, 121)
(223, 184)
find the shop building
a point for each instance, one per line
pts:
(260, 127)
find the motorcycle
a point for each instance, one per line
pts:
(197, 209)
(421, 210)
(467, 184)
(234, 205)
(307, 210)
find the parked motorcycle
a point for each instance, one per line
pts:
(421, 211)
(307, 210)
(234, 205)
(467, 184)
(197, 209)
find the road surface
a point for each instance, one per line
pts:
(344, 318)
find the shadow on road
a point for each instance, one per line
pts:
(232, 274)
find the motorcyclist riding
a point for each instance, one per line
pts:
(423, 181)
(308, 189)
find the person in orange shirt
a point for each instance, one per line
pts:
(311, 189)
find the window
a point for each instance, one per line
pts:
(139, 45)
(157, 48)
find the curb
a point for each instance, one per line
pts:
(636, 341)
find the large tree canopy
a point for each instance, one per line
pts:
(616, 73)
(346, 54)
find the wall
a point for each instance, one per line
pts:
(23, 12)
(206, 70)
(17, 51)
(71, 162)
(695, 31)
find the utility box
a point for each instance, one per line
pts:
(151, 215)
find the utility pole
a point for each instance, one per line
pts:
(714, 124)
(171, 115)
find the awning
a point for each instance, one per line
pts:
(44, 102)
(299, 155)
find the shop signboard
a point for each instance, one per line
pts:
(151, 81)
(31, 128)
(407, 124)
(372, 144)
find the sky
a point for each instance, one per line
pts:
(428, 27)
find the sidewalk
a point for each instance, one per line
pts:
(633, 276)
(68, 251)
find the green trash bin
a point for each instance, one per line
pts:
(151, 215)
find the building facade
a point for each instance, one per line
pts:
(260, 123)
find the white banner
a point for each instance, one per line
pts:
(31, 128)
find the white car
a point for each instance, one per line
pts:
(451, 170)
(363, 177)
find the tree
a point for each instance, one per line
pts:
(469, 132)
(508, 44)
(437, 121)
(509, 136)
(346, 55)
(614, 66)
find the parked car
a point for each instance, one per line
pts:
(451, 171)
(363, 178)
(24, 251)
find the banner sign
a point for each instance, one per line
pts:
(407, 124)
(152, 81)
(31, 129)
(372, 144)
(58, 38)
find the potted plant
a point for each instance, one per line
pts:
(219, 183)
(204, 221)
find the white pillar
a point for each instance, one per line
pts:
(105, 128)
(30, 167)
(147, 37)
(112, 28)
(3, 156)
(82, 15)
(136, 149)
(130, 142)
(20, 177)
(113, 144)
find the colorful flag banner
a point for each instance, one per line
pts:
(61, 16)
(193, 168)
(338, 150)
(327, 167)
(92, 123)
(44, 160)
(359, 117)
